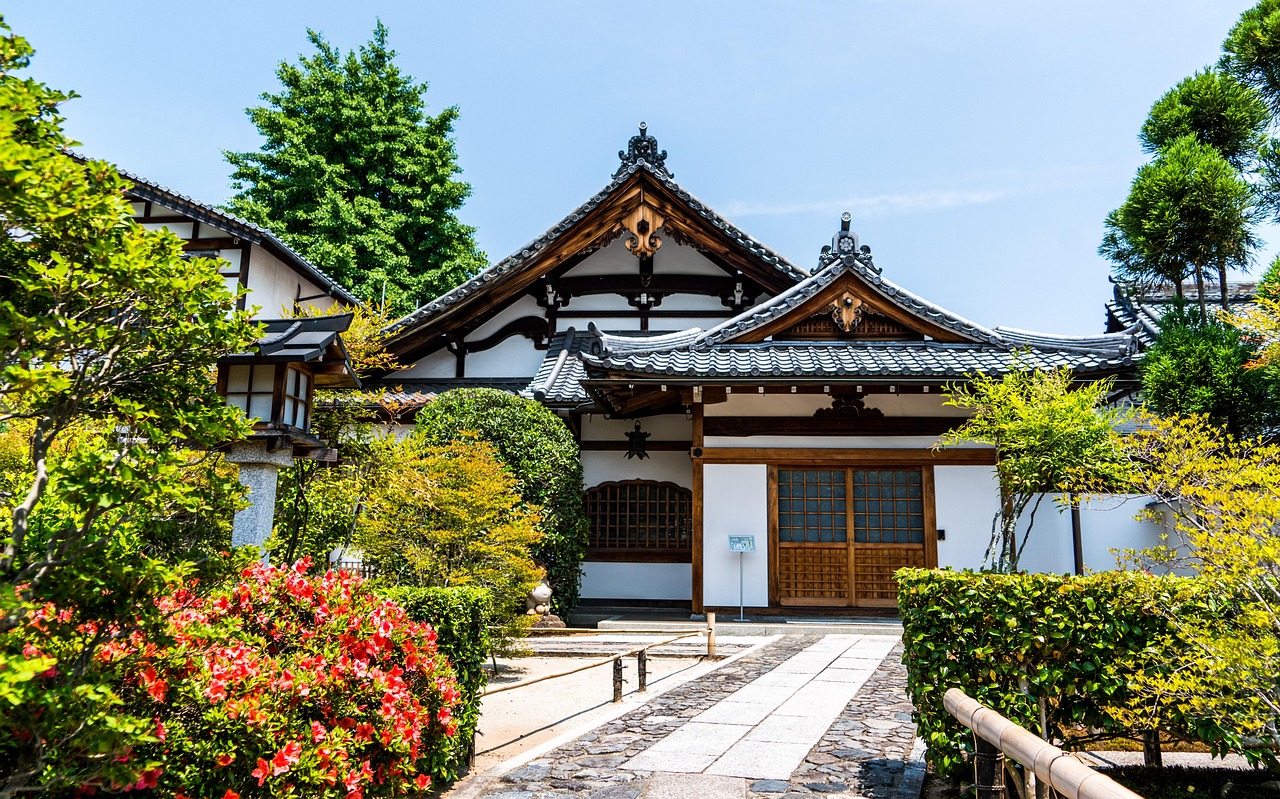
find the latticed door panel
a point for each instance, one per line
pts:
(813, 575)
(873, 571)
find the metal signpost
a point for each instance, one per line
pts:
(741, 544)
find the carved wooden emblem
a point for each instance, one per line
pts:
(847, 312)
(642, 227)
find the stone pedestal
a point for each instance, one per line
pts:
(259, 470)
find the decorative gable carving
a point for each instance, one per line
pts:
(870, 326)
(642, 226)
(846, 311)
(848, 406)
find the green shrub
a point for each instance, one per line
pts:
(459, 616)
(542, 455)
(1012, 640)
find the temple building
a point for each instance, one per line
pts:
(752, 431)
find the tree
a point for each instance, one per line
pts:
(540, 452)
(108, 336)
(1252, 51)
(1215, 108)
(1219, 498)
(449, 516)
(1199, 368)
(1188, 210)
(1050, 437)
(357, 177)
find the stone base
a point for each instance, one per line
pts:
(549, 621)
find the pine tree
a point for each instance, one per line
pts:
(357, 177)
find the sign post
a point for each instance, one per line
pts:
(741, 544)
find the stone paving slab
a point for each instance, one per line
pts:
(861, 753)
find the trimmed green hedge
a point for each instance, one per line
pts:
(1009, 640)
(460, 618)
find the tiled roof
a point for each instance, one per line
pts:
(901, 360)
(411, 392)
(559, 379)
(795, 296)
(293, 340)
(513, 263)
(1142, 310)
(207, 214)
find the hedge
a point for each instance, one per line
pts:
(459, 616)
(1009, 640)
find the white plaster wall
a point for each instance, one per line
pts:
(694, 302)
(967, 501)
(913, 405)
(735, 502)
(515, 357)
(599, 302)
(231, 258)
(525, 306)
(602, 467)
(440, 363)
(273, 286)
(605, 322)
(750, 403)
(602, 580)
(669, 427)
(182, 230)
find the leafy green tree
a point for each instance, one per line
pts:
(1269, 283)
(1200, 368)
(539, 450)
(1252, 50)
(108, 336)
(1217, 109)
(357, 177)
(450, 516)
(1219, 498)
(1189, 210)
(1050, 437)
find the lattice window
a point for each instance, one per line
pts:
(888, 506)
(811, 505)
(640, 515)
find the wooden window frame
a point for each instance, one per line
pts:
(636, 548)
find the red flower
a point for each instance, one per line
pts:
(217, 690)
(160, 731)
(231, 795)
(291, 752)
(423, 782)
(225, 760)
(364, 731)
(261, 772)
(318, 732)
(444, 715)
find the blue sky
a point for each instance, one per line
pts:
(979, 145)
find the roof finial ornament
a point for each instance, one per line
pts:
(643, 147)
(844, 247)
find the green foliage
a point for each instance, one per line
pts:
(460, 617)
(1221, 501)
(357, 177)
(1216, 109)
(1199, 367)
(109, 336)
(449, 516)
(1051, 437)
(1016, 642)
(540, 452)
(1252, 50)
(1269, 283)
(1188, 211)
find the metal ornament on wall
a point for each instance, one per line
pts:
(643, 147)
(635, 443)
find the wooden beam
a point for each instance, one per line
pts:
(696, 545)
(959, 456)
(830, 426)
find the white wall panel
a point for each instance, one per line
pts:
(735, 503)
(602, 580)
(602, 467)
(525, 306)
(515, 357)
(967, 498)
(440, 363)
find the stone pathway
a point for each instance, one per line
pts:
(604, 645)
(802, 715)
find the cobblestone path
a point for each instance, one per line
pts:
(862, 752)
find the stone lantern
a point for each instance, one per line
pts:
(274, 384)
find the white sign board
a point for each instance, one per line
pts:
(742, 543)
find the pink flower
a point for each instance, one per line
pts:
(318, 732)
(216, 691)
(261, 772)
(364, 731)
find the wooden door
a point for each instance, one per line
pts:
(838, 535)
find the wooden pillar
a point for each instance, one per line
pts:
(988, 769)
(696, 543)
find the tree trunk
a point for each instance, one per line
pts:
(1151, 755)
(1204, 310)
(1222, 284)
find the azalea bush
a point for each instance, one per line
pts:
(274, 684)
